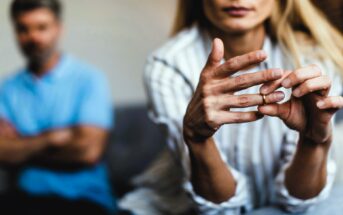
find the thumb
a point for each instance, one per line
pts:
(216, 55)
(276, 110)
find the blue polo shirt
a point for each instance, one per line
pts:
(72, 94)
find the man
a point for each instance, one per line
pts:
(54, 120)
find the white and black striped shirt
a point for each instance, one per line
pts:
(257, 153)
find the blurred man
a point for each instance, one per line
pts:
(54, 120)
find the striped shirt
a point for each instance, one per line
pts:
(257, 153)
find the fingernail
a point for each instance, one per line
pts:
(279, 96)
(286, 83)
(320, 104)
(277, 73)
(296, 93)
(264, 90)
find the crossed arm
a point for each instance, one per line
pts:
(81, 144)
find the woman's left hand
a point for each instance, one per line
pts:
(309, 110)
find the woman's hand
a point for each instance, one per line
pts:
(310, 109)
(214, 97)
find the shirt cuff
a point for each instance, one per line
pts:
(296, 205)
(232, 206)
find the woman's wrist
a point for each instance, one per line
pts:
(313, 141)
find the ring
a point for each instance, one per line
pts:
(264, 98)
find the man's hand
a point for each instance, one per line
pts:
(16, 149)
(59, 137)
(310, 109)
(7, 130)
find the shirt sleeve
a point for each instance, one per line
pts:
(4, 111)
(283, 197)
(95, 104)
(289, 202)
(169, 92)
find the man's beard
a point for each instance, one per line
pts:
(35, 55)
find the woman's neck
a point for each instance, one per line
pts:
(241, 43)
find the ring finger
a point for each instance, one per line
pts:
(250, 100)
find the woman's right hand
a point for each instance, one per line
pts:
(210, 106)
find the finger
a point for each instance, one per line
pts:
(216, 55)
(333, 102)
(245, 81)
(276, 110)
(301, 75)
(322, 83)
(239, 63)
(243, 101)
(271, 86)
(226, 117)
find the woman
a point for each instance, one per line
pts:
(248, 120)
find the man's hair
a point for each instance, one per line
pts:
(21, 6)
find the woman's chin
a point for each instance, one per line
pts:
(238, 28)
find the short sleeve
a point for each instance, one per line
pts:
(4, 110)
(95, 104)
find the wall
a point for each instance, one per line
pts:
(114, 35)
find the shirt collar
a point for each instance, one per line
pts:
(268, 48)
(54, 74)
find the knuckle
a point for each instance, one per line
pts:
(296, 75)
(243, 101)
(251, 57)
(210, 118)
(267, 75)
(236, 118)
(207, 90)
(232, 63)
(205, 77)
(208, 103)
(245, 117)
(329, 102)
(307, 87)
(240, 81)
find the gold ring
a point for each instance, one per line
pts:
(264, 99)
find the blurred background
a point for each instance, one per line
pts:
(114, 35)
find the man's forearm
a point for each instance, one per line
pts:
(306, 176)
(17, 150)
(210, 176)
(76, 151)
(84, 147)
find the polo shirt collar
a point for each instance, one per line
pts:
(56, 73)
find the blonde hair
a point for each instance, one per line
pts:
(288, 18)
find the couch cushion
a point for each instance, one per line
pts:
(134, 143)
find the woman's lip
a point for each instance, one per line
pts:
(237, 11)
